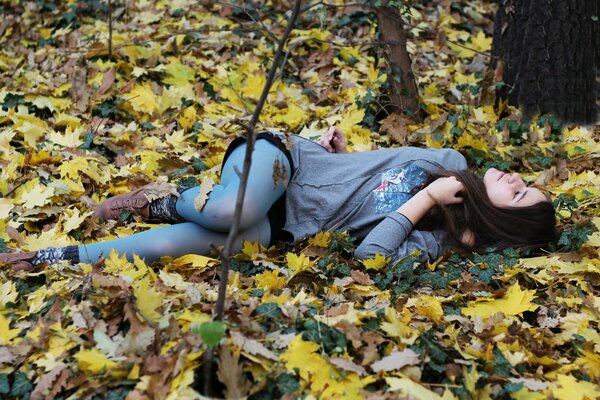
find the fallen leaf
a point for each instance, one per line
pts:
(230, 374)
(514, 302)
(205, 188)
(396, 360)
(108, 79)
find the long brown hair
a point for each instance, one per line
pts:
(491, 226)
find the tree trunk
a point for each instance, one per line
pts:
(547, 53)
(401, 81)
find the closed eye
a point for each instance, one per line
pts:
(524, 194)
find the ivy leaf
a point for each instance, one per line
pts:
(287, 383)
(21, 385)
(4, 385)
(211, 332)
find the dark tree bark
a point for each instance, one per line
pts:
(548, 54)
(401, 81)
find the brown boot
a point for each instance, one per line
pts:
(19, 261)
(134, 202)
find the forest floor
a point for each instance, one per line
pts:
(77, 126)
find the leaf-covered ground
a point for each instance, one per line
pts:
(77, 127)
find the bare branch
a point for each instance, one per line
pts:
(208, 360)
(110, 29)
(251, 138)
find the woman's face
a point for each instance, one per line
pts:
(505, 190)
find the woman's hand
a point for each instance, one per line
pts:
(334, 141)
(444, 191)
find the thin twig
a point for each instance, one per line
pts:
(328, 5)
(247, 162)
(473, 50)
(208, 359)
(262, 24)
(23, 181)
(109, 29)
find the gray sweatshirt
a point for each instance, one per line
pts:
(359, 192)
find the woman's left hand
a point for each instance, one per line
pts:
(334, 141)
(444, 191)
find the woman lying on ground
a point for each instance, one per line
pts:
(393, 201)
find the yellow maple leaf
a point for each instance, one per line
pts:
(410, 389)
(297, 264)
(590, 362)
(431, 307)
(173, 279)
(576, 149)
(269, 280)
(74, 219)
(193, 261)
(36, 300)
(188, 117)
(60, 341)
(6, 334)
(3, 232)
(323, 379)
(485, 114)
(481, 42)
(63, 119)
(252, 249)
(71, 137)
(48, 361)
(115, 263)
(176, 139)
(592, 240)
(466, 140)
(253, 86)
(141, 266)
(178, 74)
(40, 156)
(6, 206)
(471, 377)
(149, 161)
(573, 389)
(293, 116)
(37, 197)
(376, 263)
(398, 328)
(8, 293)
(353, 116)
(514, 302)
(321, 239)
(32, 132)
(99, 172)
(350, 315)
(93, 361)
(143, 99)
(52, 237)
(147, 299)
(188, 318)
(6, 136)
(71, 168)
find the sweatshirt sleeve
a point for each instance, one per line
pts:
(395, 238)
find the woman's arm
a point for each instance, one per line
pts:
(394, 236)
(442, 191)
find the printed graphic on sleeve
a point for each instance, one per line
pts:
(397, 186)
